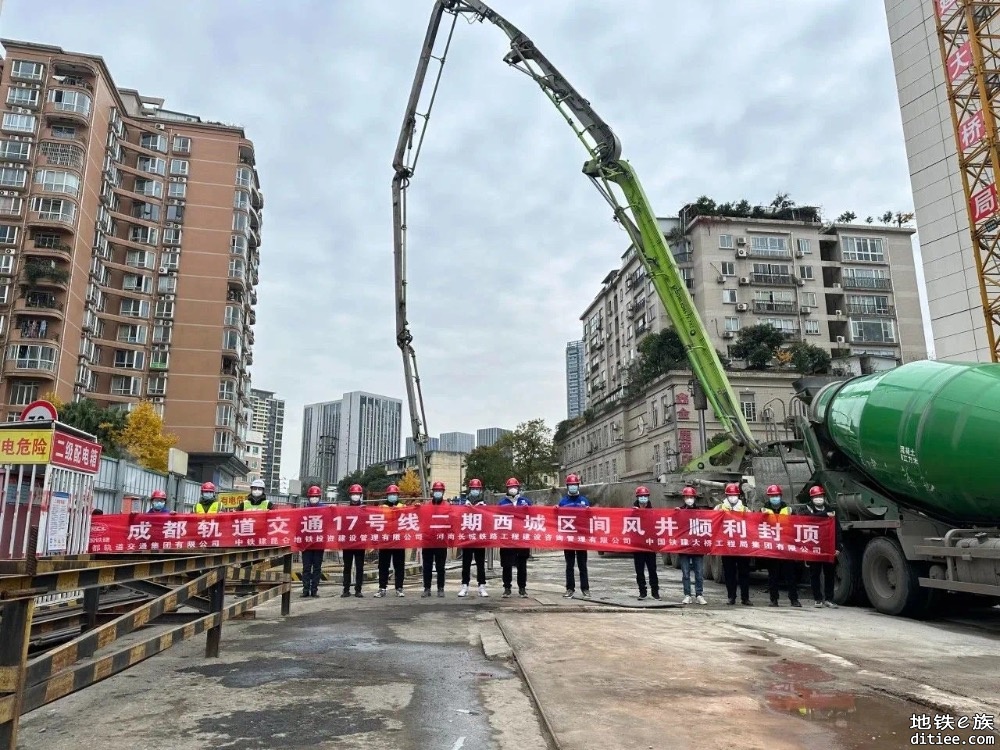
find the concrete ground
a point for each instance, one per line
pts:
(543, 673)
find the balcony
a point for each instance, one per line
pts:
(62, 112)
(860, 282)
(78, 70)
(40, 303)
(64, 218)
(783, 308)
(773, 279)
(34, 329)
(61, 154)
(887, 311)
(43, 274)
(766, 254)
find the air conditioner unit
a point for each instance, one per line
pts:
(744, 280)
(742, 254)
(742, 307)
(799, 282)
(839, 313)
(835, 285)
(727, 334)
(163, 269)
(805, 309)
(741, 240)
(157, 399)
(720, 279)
(841, 340)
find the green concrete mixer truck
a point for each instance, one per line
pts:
(907, 457)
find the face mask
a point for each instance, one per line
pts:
(356, 499)
(643, 501)
(573, 489)
(689, 501)
(207, 497)
(392, 499)
(513, 491)
(819, 501)
(159, 505)
(257, 493)
(313, 500)
(438, 495)
(733, 499)
(474, 493)
(775, 501)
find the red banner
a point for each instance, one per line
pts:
(536, 527)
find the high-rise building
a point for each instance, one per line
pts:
(433, 444)
(850, 289)
(576, 388)
(950, 272)
(457, 442)
(268, 418)
(489, 435)
(130, 238)
(253, 451)
(341, 437)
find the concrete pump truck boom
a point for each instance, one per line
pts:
(905, 455)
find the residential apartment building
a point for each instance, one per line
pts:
(850, 289)
(949, 261)
(340, 437)
(489, 435)
(253, 452)
(129, 252)
(457, 442)
(442, 466)
(576, 387)
(268, 418)
(433, 444)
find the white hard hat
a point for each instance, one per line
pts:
(257, 484)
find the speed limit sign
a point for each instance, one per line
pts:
(39, 411)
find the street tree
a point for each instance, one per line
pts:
(492, 464)
(758, 345)
(409, 484)
(86, 415)
(143, 437)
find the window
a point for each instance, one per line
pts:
(146, 211)
(769, 245)
(54, 209)
(873, 331)
(179, 166)
(182, 144)
(812, 327)
(227, 390)
(726, 241)
(54, 181)
(8, 234)
(808, 299)
(749, 407)
(805, 272)
(6, 267)
(240, 222)
(225, 416)
(732, 324)
(234, 316)
(19, 97)
(134, 282)
(783, 325)
(5, 295)
(729, 296)
(728, 268)
(27, 70)
(164, 308)
(244, 177)
(139, 258)
(15, 150)
(159, 359)
(166, 285)
(238, 245)
(32, 357)
(175, 213)
(19, 123)
(803, 246)
(157, 385)
(161, 334)
(143, 235)
(172, 235)
(68, 155)
(868, 304)
(129, 359)
(153, 142)
(151, 164)
(70, 101)
(236, 268)
(231, 341)
(177, 189)
(223, 442)
(64, 131)
(864, 249)
(12, 177)
(153, 188)
(170, 260)
(23, 392)
(134, 308)
(241, 199)
(126, 386)
(129, 333)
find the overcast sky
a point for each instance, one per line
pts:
(508, 240)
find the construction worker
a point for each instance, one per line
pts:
(158, 502)
(354, 557)
(474, 497)
(692, 560)
(779, 570)
(512, 557)
(208, 502)
(822, 574)
(645, 560)
(434, 556)
(395, 558)
(735, 567)
(573, 499)
(256, 500)
(312, 559)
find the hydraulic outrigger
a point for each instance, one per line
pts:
(605, 168)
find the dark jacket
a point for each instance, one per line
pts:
(826, 511)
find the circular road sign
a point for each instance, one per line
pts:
(39, 411)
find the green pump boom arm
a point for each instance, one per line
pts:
(606, 169)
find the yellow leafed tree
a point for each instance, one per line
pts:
(409, 485)
(144, 438)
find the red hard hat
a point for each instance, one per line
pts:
(689, 492)
(314, 491)
(572, 479)
(732, 488)
(438, 486)
(356, 489)
(644, 491)
(512, 482)
(475, 484)
(208, 487)
(816, 491)
(158, 495)
(773, 490)
(392, 490)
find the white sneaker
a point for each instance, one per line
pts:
(464, 591)
(381, 593)
(829, 604)
(701, 600)
(686, 600)
(483, 591)
(399, 592)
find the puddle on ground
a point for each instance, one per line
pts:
(860, 719)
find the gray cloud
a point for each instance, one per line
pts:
(508, 240)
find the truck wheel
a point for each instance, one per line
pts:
(890, 580)
(848, 588)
